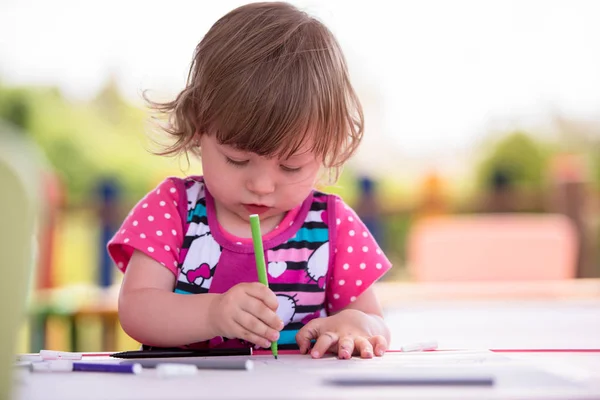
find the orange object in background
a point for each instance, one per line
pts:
(53, 194)
(485, 247)
(433, 201)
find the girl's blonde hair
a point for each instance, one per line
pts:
(268, 78)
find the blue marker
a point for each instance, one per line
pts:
(68, 365)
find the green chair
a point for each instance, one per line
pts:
(19, 167)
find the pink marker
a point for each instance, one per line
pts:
(59, 355)
(422, 346)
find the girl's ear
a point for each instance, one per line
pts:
(197, 138)
(196, 147)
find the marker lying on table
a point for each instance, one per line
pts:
(68, 365)
(171, 353)
(416, 380)
(29, 357)
(170, 370)
(261, 268)
(421, 346)
(199, 363)
(59, 355)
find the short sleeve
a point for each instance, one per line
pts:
(358, 260)
(153, 227)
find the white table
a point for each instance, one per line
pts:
(454, 324)
(499, 324)
(298, 377)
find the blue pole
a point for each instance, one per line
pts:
(109, 193)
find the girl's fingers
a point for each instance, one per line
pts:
(258, 309)
(324, 342)
(380, 345)
(363, 347)
(252, 325)
(262, 293)
(345, 348)
(249, 336)
(307, 333)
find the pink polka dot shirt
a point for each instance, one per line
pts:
(155, 227)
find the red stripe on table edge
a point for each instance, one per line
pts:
(268, 352)
(545, 350)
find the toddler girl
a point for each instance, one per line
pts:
(268, 107)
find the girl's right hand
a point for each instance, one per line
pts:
(247, 311)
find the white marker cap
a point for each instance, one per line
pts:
(137, 368)
(52, 366)
(168, 370)
(29, 357)
(422, 346)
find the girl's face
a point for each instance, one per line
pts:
(245, 183)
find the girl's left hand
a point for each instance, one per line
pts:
(346, 333)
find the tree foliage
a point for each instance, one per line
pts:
(88, 141)
(519, 158)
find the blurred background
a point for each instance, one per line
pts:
(480, 163)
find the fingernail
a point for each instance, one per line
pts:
(368, 354)
(274, 336)
(315, 354)
(266, 344)
(379, 352)
(281, 325)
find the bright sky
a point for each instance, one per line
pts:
(435, 76)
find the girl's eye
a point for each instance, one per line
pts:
(290, 169)
(236, 163)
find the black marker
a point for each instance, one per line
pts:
(242, 351)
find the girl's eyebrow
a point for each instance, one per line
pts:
(244, 153)
(298, 155)
(233, 149)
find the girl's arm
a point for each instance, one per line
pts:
(152, 314)
(368, 303)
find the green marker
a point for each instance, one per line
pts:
(259, 254)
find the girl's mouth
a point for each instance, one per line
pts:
(256, 208)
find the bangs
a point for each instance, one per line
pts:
(272, 115)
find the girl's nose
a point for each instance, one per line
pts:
(261, 184)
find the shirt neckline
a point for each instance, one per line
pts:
(279, 229)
